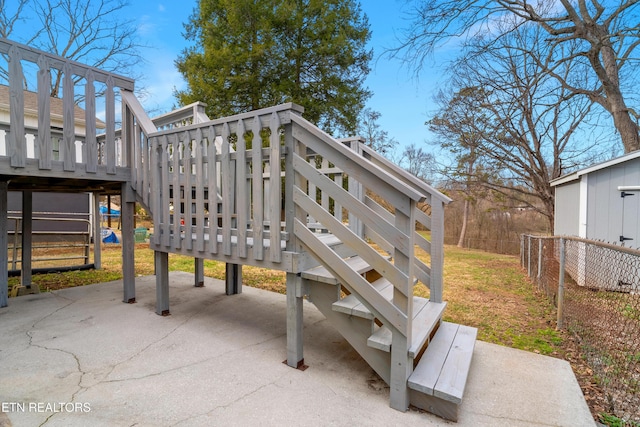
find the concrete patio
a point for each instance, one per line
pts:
(81, 357)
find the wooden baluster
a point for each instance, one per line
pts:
(258, 191)
(69, 126)
(110, 117)
(90, 118)
(437, 249)
(188, 191)
(212, 180)
(199, 189)
(164, 178)
(177, 196)
(44, 114)
(227, 189)
(242, 200)
(15, 138)
(275, 189)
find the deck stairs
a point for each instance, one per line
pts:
(359, 237)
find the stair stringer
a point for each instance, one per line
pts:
(354, 329)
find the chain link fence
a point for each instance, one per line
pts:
(597, 296)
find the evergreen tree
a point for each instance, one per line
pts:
(251, 54)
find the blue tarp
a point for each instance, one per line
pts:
(104, 210)
(108, 236)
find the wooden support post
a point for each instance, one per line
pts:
(295, 357)
(97, 233)
(4, 245)
(233, 279)
(437, 250)
(128, 243)
(27, 239)
(162, 283)
(199, 272)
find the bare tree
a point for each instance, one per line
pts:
(375, 137)
(522, 126)
(89, 31)
(599, 40)
(418, 162)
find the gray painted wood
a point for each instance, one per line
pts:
(453, 377)
(227, 185)
(401, 369)
(162, 283)
(68, 147)
(351, 279)
(127, 213)
(44, 115)
(198, 272)
(199, 190)
(257, 204)
(16, 143)
(187, 168)
(444, 367)
(4, 245)
(275, 189)
(321, 274)
(212, 177)
(90, 141)
(27, 239)
(379, 262)
(97, 235)
(30, 54)
(242, 185)
(353, 329)
(437, 251)
(295, 357)
(110, 122)
(233, 278)
(176, 241)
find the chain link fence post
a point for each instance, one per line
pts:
(560, 322)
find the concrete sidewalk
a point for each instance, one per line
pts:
(80, 357)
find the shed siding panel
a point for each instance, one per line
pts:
(605, 206)
(567, 209)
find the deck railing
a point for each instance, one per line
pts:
(430, 275)
(98, 89)
(215, 187)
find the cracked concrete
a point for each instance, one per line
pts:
(217, 360)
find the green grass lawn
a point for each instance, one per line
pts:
(484, 290)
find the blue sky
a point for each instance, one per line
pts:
(403, 100)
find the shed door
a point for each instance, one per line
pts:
(630, 215)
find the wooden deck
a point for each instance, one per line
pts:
(265, 188)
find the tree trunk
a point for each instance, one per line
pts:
(465, 220)
(627, 128)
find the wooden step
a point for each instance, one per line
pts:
(438, 382)
(426, 316)
(353, 307)
(321, 274)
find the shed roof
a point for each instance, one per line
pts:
(31, 107)
(598, 166)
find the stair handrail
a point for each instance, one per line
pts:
(402, 174)
(431, 276)
(397, 314)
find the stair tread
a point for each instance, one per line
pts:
(426, 316)
(321, 274)
(351, 305)
(443, 369)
